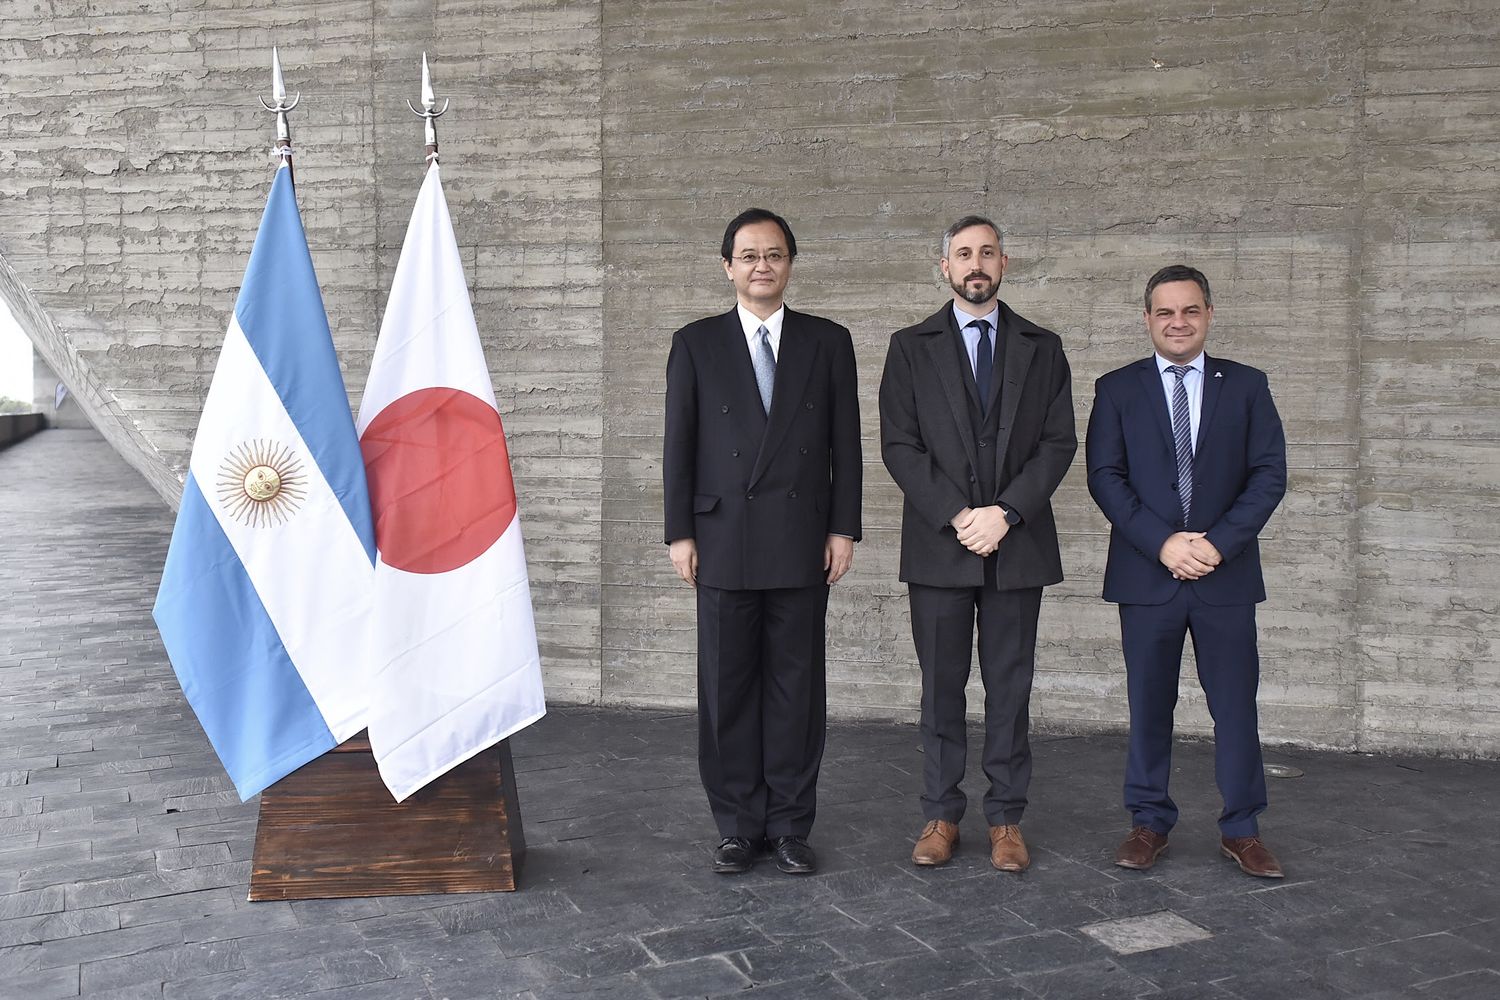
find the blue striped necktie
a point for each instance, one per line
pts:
(1182, 434)
(765, 365)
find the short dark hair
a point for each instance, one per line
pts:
(966, 222)
(1178, 272)
(751, 216)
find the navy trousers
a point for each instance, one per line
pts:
(1229, 671)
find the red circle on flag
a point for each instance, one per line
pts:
(440, 483)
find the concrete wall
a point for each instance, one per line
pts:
(44, 381)
(1332, 166)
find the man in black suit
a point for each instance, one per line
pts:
(976, 427)
(1187, 460)
(762, 479)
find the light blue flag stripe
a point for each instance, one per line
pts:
(281, 312)
(229, 658)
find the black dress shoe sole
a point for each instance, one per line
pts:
(790, 869)
(731, 867)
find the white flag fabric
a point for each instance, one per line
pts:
(454, 664)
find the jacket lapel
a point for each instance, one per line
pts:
(732, 356)
(1213, 385)
(794, 365)
(950, 365)
(1150, 377)
(965, 367)
(1018, 352)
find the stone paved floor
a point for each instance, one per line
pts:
(124, 855)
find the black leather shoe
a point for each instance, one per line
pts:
(793, 856)
(734, 855)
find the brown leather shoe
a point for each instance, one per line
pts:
(935, 846)
(1141, 849)
(1254, 857)
(1007, 849)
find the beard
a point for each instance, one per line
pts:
(980, 294)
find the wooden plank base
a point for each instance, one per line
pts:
(331, 830)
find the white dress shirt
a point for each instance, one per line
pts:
(772, 323)
(1193, 382)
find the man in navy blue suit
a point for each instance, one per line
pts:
(1187, 460)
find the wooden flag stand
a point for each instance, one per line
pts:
(331, 830)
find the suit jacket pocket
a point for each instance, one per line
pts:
(704, 502)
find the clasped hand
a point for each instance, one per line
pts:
(980, 530)
(1189, 555)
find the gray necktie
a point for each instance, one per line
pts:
(1182, 434)
(765, 365)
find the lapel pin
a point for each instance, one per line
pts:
(1218, 374)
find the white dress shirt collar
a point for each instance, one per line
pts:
(970, 334)
(751, 322)
(1196, 364)
(963, 319)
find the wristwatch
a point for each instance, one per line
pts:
(1011, 517)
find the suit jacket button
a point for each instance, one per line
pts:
(791, 494)
(984, 444)
(808, 405)
(972, 478)
(723, 409)
(735, 453)
(749, 496)
(802, 451)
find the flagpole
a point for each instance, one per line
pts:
(280, 108)
(453, 666)
(427, 114)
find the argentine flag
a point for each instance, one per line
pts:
(264, 602)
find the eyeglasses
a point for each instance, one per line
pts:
(772, 257)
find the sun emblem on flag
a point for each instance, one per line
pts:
(262, 483)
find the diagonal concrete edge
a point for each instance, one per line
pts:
(95, 399)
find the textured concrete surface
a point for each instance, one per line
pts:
(1331, 165)
(68, 416)
(124, 853)
(140, 170)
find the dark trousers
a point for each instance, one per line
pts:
(942, 626)
(1228, 670)
(762, 707)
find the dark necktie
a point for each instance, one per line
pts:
(1182, 434)
(765, 366)
(984, 362)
